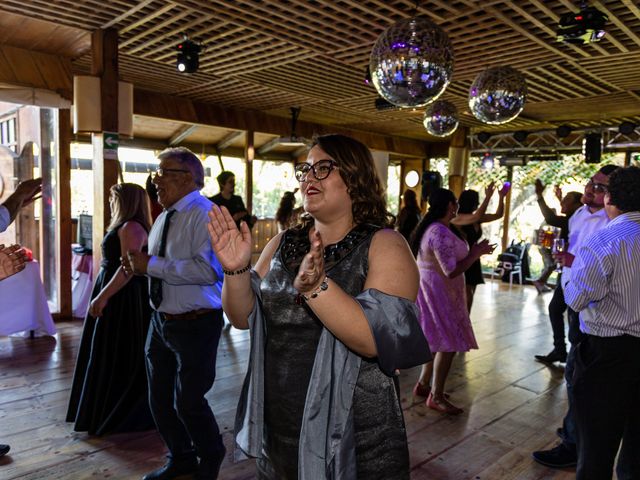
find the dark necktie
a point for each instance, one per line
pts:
(156, 283)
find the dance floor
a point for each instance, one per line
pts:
(512, 404)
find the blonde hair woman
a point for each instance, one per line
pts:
(109, 391)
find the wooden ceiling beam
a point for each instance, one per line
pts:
(181, 134)
(228, 140)
(126, 14)
(184, 110)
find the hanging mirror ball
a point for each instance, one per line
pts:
(411, 62)
(441, 118)
(498, 95)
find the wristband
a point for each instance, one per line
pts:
(237, 272)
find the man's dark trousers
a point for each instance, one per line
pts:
(181, 366)
(569, 434)
(606, 390)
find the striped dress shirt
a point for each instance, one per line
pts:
(605, 279)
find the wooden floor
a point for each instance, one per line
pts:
(512, 404)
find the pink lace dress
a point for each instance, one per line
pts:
(442, 300)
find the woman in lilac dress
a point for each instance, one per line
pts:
(443, 258)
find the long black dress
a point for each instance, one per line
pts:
(293, 332)
(473, 275)
(109, 391)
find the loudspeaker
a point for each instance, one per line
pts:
(430, 181)
(592, 147)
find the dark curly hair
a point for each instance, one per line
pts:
(469, 201)
(439, 202)
(624, 189)
(358, 172)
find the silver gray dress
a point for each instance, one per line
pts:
(310, 408)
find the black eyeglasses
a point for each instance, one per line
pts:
(321, 170)
(161, 172)
(598, 187)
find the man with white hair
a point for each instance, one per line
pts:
(185, 285)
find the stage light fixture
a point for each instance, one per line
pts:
(586, 26)
(188, 58)
(520, 136)
(626, 128)
(563, 131)
(488, 161)
(483, 136)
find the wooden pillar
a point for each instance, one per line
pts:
(458, 160)
(63, 208)
(104, 45)
(249, 155)
(507, 211)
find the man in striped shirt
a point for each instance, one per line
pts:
(605, 289)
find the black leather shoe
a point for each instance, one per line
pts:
(4, 449)
(173, 469)
(559, 456)
(210, 467)
(553, 356)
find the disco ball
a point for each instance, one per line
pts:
(441, 118)
(497, 95)
(411, 63)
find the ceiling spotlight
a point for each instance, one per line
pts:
(188, 58)
(586, 26)
(520, 136)
(483, 136)
(626, 128)
(487, 161)
(367, 76)
(563, 131)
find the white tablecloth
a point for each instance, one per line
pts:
(81, 283)
(23, 304)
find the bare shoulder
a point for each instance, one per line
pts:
(392, 268)
(132, 229)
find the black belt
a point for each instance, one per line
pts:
(192, 315)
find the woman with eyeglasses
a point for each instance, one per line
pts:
(109, 389)
(330, 305)
(443, 257)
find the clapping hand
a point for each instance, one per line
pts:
(483, 247)
(231, 246)
(311, 272)
(12, 260)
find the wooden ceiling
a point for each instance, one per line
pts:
(270, 55)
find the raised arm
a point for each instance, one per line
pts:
(476, 216)
(490, 217)
(25, 193)
(132, 238)
(233, 249)
(392, 270)
(548, 213)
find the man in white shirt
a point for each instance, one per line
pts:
(185, 285)
(24, 194)
(606, 380)
(587, 220)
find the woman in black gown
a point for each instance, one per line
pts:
(334, 317)
(471, 216)
(109, 391)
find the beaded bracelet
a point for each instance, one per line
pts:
(321, 288)
(237, 272)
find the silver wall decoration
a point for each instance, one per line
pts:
(441, 118)
(411, 62)
(498, 95)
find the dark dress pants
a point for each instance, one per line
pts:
(606, 388)
(557, 307)
(181, 368)
(569, 437)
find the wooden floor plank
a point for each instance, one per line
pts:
(512, 404)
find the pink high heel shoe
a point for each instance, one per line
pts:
(444, 406)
